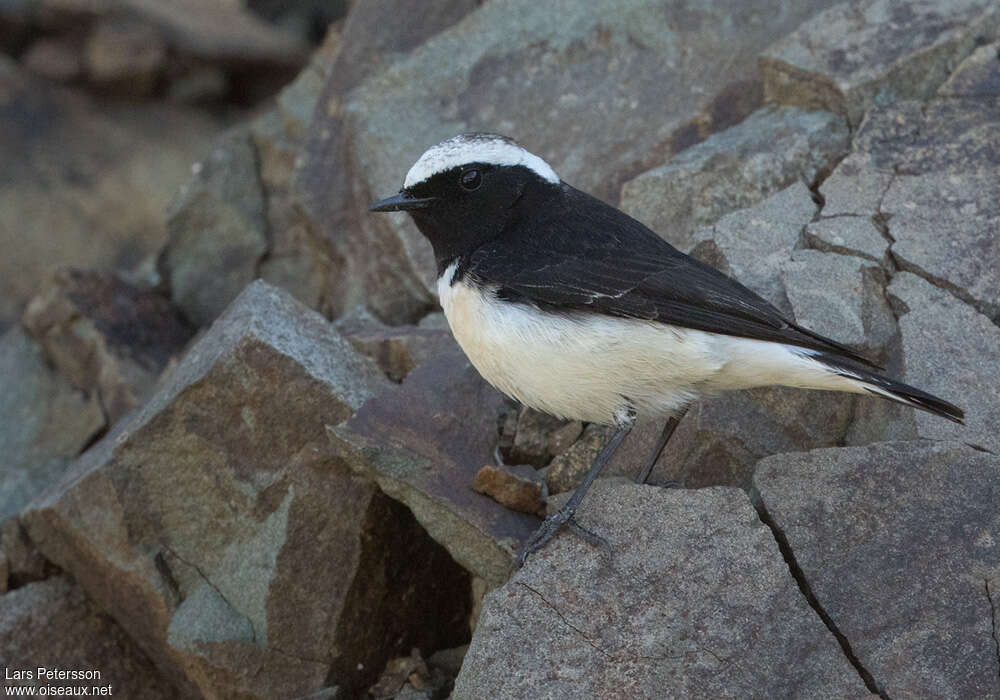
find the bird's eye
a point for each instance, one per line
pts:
(470, 180)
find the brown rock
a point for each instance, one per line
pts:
(125, 56)
(22, 561)
(54, 59)
(519, 487)
(106, 336)
(539, 437)
(424, 442)
(92, 185)
(217, 528)
(51, 624)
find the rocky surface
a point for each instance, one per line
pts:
(91, 185)
(44, 421)
(768, 151)
(287, 505)
(106, 336)
(698, 606)
(859, 54)
(229, 542)
(897, 542)
(88, 640)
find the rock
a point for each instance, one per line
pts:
(518, 487)
(753, 245)
(951, 351)
(841, 297)
(848, 235)
(106, 336)
(768, 151)
(424, 443)
(125, 56)
(220, 32)
(897, 543)
(22, 562)
(539, 437)
(51, 624)
(944, 228)
(855, 55)
(396, 349)
(218, 231)
(662, 82)
(53, 59)
(855, 187)
(218, 529)
(567, 469)
(92, 184)
(977, 76)
(695, 586)
(44, 421)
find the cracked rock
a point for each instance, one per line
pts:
(44, 421)
(423, 443)
(217, 528)
(857, 54)
(752, 245)
(848, 235)
(898, 542)
(736, 168)
(855, 187)
(696, 601)
(951, 351)
(945, 227)
(841, 297)
(52, 624)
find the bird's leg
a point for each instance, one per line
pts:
(548, 529)
(668, 431)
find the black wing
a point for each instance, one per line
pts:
(582, 254)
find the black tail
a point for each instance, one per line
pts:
(891, 389)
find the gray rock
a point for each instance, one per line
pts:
(216, 511)
(769, 150)
(855, 55)
(695, 586)
(841, 297)
(218, 231)
(51, 624)
(849, 235)
(335, 209)
(953, 352)
(424, 443)
(855, 187)
(897, 541)
(752, 245)
(977, 76)
(44, 421)
(666, 78)
(944, 227)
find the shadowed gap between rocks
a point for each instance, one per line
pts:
(807, 592)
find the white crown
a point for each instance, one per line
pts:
(476, 148)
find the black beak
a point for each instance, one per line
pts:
(401, 202)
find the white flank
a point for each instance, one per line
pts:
(475, 148)
(593, 368)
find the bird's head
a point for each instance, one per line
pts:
(462, 192)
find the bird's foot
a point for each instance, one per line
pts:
(551, 525)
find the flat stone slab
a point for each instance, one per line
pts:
(899, 544)
(696, 602)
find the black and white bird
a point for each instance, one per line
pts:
(576, 309)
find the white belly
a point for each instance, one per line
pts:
(596, 368)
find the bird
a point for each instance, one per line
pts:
(572, 307)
